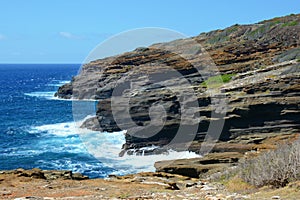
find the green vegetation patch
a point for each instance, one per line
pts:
(292, 23)
(217, 81)
(263, 29)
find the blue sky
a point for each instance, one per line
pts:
(65, 31)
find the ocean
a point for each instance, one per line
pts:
(37, 130)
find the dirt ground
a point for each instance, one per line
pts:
(26, 185)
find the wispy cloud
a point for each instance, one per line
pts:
(2, 37)
(70, 35)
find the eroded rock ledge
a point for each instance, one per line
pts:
(45, 174)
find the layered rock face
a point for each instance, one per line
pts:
(169, 94)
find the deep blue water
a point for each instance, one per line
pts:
(34, 127)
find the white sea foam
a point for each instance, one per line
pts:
(58, 83)
(134, 163)
(59, 129)
(106, 147)
(47, 95)
(54, 84)
(62, 129)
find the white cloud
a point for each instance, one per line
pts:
(2, 37)
(70, 36)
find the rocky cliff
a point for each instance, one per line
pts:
(258, 71)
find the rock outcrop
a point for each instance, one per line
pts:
(225, 154)
(197, 166)
(259, 67)
(36, 173)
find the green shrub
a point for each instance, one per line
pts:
(275, 168)
(292, 23)
(216, 81)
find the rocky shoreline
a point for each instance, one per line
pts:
(259, 68)
(259, 65)
(177, 179)
(32, 184)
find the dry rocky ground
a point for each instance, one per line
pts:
(29, 184)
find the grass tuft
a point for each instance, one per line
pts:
(238, 185)
(217, 81)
